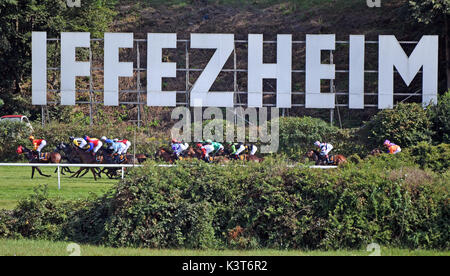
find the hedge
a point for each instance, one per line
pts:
(386, 199)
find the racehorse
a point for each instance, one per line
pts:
(166, 156)
(87, 158)
(108, 158)
(52, 157)
(376, 152)
(335, 160)
(66, 154)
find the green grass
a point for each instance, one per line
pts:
(10, 247)
(16, 184)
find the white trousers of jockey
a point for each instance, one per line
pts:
(253, 150)
(209, 149)
(240, 149)
(121, 149)
(181, 147)
(99, 146)
(127, 146)
(41, 146)
(325, 148)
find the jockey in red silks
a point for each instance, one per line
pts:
(125, 142)
(94, 144)
(38, 144)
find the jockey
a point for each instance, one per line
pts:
(325, 149)
(38, 144)
(216, 145)
(178, 147)
(206, 150)
(107, 142)
(125, 142)
(118, 149)
(392, 148)
(79, 142)
(236, 149)
(253, 149)
(94, 144)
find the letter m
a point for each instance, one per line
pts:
(425, 56)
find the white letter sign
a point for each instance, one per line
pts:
(70, 68)
(224, 43)
(316, 71)
(424, 55)
(113, 68)
(156, 70)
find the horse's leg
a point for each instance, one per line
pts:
(40, 172)
(76, 173)
(86, 170)
(93, 172)
(32, 172)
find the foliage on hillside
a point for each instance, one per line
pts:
(19, 19)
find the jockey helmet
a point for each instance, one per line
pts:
(209, 141)
(387, 142)
(199, 145)
(317, 143)
(85, 137)
(116, 140)
(71, 138)
(103, 138)
(174, 141)
(31, 137)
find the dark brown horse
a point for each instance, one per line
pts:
(376, 152)
(335, 160)
(87, 158)
(52, 157)
(165, 155)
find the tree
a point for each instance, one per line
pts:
(434, 11)
(19, 18)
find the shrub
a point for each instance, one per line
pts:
(440, 117)
(12, 134)
(436, 158)
(405, 125)
(386, 199)
(298, 134)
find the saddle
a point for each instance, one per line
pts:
(41, 156)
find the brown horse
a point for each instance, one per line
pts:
(335, 160)
(87, 158)
(52, 157)
(165, 155)
(376, 152)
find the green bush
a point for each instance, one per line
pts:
(440, 117)
(298, 134)
(405, 125)
(12, 134)
(386, 199)
(436, 158)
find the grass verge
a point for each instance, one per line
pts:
(16, 184)
(25, 247)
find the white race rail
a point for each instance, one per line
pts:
(59, 165)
